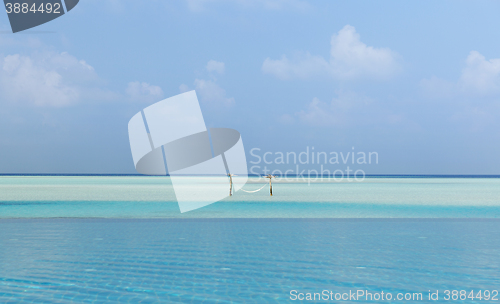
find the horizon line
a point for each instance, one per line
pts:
(256, 175)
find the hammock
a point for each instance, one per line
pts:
(253, 190)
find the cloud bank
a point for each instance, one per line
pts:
(479, 78)
(145, 92)
(215, 66)
(207, 89)
(48, 79)
(350, 58)
(348, 107)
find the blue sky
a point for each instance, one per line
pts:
(416, 81)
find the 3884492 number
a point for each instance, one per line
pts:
(485, 295)
(24, 8)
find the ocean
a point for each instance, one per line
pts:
(154, 197)
(122, 239)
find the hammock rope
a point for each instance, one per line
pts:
(253, 190)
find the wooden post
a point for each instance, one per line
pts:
(230, 184)
(270, 183)
(270, 187)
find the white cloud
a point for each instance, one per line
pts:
(215, 66)
(339, 111)
(349, 59)
(352, 58)
(207, 89)
(142, 91)
(183, 88)
(304, 66)
(319, 113)
(211, 92)
(199, 5)
(48, 79)
(479, 77)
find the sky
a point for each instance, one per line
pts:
(417, 82)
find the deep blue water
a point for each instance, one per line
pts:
(242, 260)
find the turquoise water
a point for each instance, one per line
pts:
(153, 197)
(242, 260)
(122, 239)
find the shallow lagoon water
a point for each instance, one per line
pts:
(153, 197)
(123, 240)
